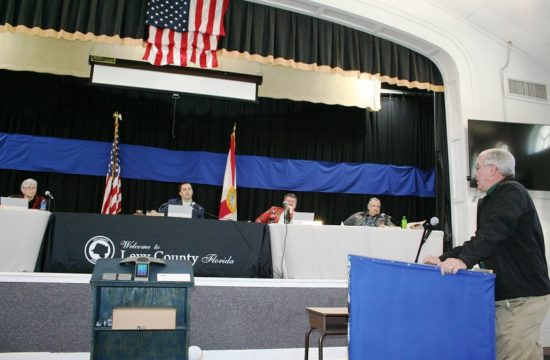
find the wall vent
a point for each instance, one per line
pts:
(527, 90)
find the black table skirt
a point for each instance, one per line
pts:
(216, 248)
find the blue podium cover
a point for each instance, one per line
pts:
(410, 311)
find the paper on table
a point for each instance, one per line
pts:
(173, 277)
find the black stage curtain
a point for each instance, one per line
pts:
(401, 133)
(310, 42)
(252, 29)
(121, 18)
(443, 186)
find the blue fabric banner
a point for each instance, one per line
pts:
(69, 156)
(409, 311)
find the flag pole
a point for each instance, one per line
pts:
(118, 117)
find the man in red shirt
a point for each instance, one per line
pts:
(277, 214)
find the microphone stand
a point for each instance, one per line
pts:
(51, 202)
(212, 215)
(194, 205)
(286, 216)
(425, 235)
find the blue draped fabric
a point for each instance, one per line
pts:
(409, 311)
(69, 156)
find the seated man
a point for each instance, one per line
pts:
(186, 199)
(28, 192)
(371, 217)
(276, 214)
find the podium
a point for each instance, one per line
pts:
(140, 319)
(400, 310)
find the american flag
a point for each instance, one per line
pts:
(112, 196)
(183, 31)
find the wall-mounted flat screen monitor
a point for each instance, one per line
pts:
(530, 144)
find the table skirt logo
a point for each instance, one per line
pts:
(99, 247)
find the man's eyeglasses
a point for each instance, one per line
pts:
(29, 187)
(480, 166)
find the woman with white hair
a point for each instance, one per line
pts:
(28, 191)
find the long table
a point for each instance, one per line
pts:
(216, 248)
(320, 252)
(21, 233)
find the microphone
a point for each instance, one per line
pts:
(431, 224)
(286, 213)
(163, 208)
(49, 196)
(194, 205)
(214, 216)
(428, 227)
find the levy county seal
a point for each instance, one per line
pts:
(99, 247)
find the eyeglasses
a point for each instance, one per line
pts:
(29, 187)
(480, 166)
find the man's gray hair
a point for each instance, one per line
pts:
(503, 160)
(29, 183)
(373, 199)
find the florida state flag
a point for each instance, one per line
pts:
(228, 205)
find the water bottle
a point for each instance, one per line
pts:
(404, 223)
(43, 204)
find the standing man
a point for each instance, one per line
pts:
(276, 214)
(371, 217)
(508, 240)
(186, 199)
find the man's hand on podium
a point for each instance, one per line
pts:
(449, 266)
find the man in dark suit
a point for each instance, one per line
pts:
(186, 199)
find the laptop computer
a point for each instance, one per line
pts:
(180, 211)
(19, 203)
(303, 218)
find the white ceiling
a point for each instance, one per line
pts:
(526, 23)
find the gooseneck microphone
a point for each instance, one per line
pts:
(50, 203)
(286, 213)
(194, 205)
(428, 227)
(432, 224)
(163, 208)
